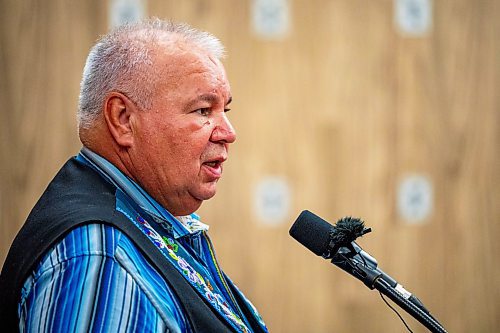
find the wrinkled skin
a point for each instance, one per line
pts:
(176, 149)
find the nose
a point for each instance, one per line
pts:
(223, 131)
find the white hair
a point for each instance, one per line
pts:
(122, 61)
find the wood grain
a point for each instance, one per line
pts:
(343, 108)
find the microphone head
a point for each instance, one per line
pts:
(312, 231)
(321, 237)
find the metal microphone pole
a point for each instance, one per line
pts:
(424, 318)
(361, 265)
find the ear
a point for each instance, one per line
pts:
(118, 112)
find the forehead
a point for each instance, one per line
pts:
(183, 63)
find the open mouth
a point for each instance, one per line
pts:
(214, 168)
(213, 164)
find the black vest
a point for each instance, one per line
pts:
(77, 196)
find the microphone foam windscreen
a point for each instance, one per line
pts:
(312, 231)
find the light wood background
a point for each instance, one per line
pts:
(343, 108)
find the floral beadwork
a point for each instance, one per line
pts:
(170, 244)
(202, 284)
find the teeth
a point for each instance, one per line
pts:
(211, 164)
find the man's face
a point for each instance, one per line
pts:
(182, 142)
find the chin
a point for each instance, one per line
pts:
(207, 196)
(207, 193)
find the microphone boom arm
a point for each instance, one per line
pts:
(355, 261)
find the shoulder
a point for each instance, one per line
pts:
(93, 239)
(98, 267)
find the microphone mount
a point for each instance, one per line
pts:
(346, 254)
(343, 234)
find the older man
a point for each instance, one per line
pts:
(113, 244)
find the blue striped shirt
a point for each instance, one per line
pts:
(95, 279)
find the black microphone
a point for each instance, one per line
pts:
(321, 237)
(337, 242)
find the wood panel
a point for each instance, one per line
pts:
(43, 47)
(344, 108)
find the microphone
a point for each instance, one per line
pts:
(337, 242)
(321, 237)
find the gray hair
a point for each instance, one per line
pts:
(122, 61)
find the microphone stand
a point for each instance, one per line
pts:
(361, 265)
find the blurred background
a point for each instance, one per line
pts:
(386, 110)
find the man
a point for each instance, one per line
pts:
(113, 244)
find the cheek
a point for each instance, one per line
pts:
(188, 146)
(200, 124)
(184, 143)
(199, 131)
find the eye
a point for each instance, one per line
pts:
(227, 110)
(203, 111)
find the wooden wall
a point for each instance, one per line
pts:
(343, 109)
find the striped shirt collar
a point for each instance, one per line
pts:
(180, 225)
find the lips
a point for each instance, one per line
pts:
(213, 168)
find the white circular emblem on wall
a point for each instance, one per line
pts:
(272, 200)
(415, 198)
(126, 11)
(270, 18)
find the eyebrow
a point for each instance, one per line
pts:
(210, 98)
(207, 98)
